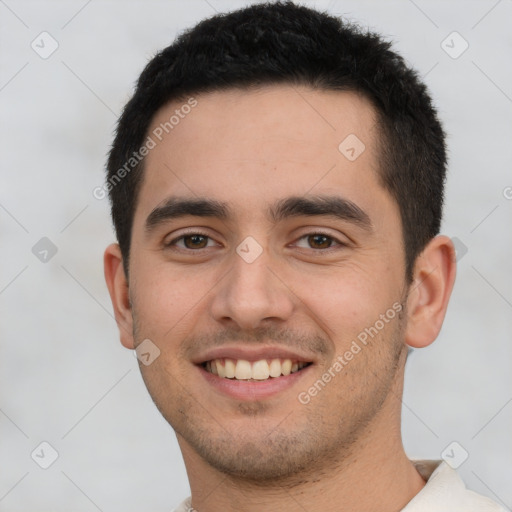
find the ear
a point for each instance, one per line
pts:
(429, 293)
(119, 293)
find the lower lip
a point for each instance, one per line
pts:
(253, 390)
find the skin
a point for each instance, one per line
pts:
(343, 450)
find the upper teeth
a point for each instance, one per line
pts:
(259, 370)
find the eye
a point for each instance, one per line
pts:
(191, 241)
(319, 241)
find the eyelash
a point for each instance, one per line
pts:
(306, 235)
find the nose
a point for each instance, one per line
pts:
(252, 294)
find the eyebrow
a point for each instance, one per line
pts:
(176, 207)
(311, 206)
(294, 206)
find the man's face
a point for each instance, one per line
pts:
(272, 284)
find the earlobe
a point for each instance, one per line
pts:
(119, 293)
(434, 276)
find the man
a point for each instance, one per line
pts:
(277, 185)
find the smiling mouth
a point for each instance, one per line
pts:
(264, 369)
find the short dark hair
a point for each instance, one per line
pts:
(284, 43)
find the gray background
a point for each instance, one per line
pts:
(64, 377)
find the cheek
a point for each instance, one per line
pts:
(163, 300)
(346, 302)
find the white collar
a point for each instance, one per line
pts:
(445, 491)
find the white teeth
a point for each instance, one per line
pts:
(229, 366)
(260, 370)
(221, 370)
(275, 368)
(286, 367)
(242, 369)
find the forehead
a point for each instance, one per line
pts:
(245, 146)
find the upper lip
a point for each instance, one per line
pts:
(252, 354)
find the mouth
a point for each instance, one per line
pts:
(248, 373)
(253, 371)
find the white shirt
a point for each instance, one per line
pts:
(443, 492)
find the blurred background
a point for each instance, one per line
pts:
(66, 70)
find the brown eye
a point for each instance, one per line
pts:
(195, 241)
(319, 241)
(191, 242)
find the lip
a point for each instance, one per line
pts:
(253, 390)
(252, 354)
